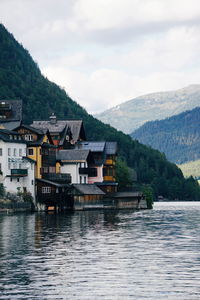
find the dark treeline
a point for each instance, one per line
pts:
(20, 78)
(178, 136)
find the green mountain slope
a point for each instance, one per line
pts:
(132, 114)
(178, 137)
(20, 78)
(191, 168)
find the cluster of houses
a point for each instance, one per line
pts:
(52, 161)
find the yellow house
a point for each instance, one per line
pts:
(40, 148)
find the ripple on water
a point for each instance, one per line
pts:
(102, 255)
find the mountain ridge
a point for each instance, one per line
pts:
(132, 114)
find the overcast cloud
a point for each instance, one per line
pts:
(104, 52)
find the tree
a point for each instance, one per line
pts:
(124, 174)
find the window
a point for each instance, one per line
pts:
(45, 170)
(80, 179)
(30, 151)
(9, 152)
(10, 179)
(32, 182)
(28, 137)
(14, 152)
(85, 179)
(52, 169)
(20, 152)
(46, 190)
(17, 179)
(1, 152)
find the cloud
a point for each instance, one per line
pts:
(104, 52)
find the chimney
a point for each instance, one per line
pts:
(53, 119)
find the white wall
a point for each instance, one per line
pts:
(73, 170)
(14, 160)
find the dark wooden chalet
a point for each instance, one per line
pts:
(64, 133)
(87, 196)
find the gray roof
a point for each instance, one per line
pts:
(93, 146)
(60, 125)
(111, 148)
(7, 136)
(29, 159)
(41, 131)
(53, 183)
(72, 155)
(10, 125)
(15, 107)
(88, 189)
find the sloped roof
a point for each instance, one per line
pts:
(92, 146)
(72, 155)
(53, 183)
(60, 125)
(88, 189)
(10, 125)
(16, 110)
(111, 148)
(41, 131)
(5, 136)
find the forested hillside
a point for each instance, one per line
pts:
(178, 137)
(20, 78)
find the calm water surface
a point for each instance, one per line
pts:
(102, 255)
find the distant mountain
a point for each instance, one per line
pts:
(178, 136)
(132, 114)
(20, 78)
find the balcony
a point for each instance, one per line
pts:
(91, 172)
(5, 106)
(57, 177)
(110, 162)
(19, 172)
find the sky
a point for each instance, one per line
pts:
(105, 52)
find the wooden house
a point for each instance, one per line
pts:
(87, 196)
(10, 113)
(104, 154)
(64, 133)
(40, 148)
(54, 194)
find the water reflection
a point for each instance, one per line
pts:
(102, 255)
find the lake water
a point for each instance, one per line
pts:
(152, 254)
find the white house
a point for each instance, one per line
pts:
(17, 171)
(77, 164)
